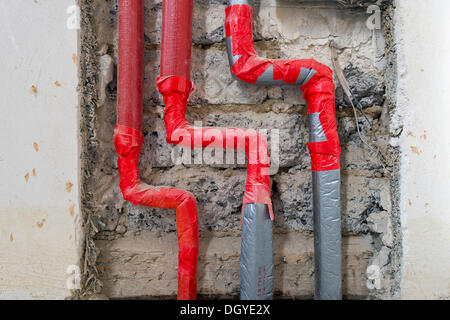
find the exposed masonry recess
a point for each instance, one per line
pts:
(125, 240)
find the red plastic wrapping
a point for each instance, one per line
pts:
(318, 90)
(320, 98)
(175, 91)
(128, 141)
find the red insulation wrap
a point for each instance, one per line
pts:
(319, 96)
(175, 91)
(128, 141)
(129, 70)
(175, 87)
(318, 90)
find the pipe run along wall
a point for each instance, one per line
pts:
(128, 141)
(175, 86)
(316, 81)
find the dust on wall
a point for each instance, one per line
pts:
(131, 251)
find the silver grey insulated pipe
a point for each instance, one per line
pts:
(316, 81)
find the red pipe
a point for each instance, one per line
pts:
(175, 86)
(128, 141)
(176, 38)
(316, 82)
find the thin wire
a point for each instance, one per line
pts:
(351, 97)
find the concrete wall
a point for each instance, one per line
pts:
(39, 195)
(424, 110)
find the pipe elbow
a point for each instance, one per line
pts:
(188, 199)
(128, 143)
(248, 67)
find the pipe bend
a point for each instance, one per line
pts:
(248, 67)
(313, 78)
(128, 143)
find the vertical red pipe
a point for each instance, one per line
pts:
(176, 38)
(130, 68)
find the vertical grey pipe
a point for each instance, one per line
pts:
(327, 224)
(256, 253)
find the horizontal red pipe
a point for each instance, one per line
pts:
(128, 141)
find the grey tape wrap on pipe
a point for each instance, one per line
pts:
(256, 253)
(266, 79)
(327, 235)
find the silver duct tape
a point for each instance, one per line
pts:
(316, 133)
(256, 253)
(327, 235)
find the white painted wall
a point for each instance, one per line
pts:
(40, 230)
(424, 107)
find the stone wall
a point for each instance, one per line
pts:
(135, 253)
